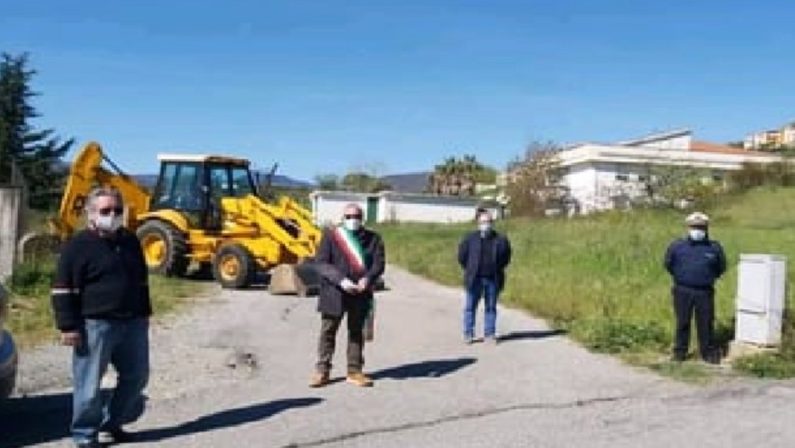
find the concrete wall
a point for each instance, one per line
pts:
(327, 205)
(581, 181)
(604, 186)
(394, 207)
(10, 212)
(426, 208)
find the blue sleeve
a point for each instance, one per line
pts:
(670, 257)
(721, 259)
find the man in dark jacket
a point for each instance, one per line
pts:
(100, 297)
(695, 263)
(350, 260)
(483, 254)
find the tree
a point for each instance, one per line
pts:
(362, 182)
(534, 182)
(679, 186)
(35, 152)
(459, 177)
(328, 181)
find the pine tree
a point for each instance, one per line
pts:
(35, 153)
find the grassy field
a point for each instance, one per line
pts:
(30, 319)
(601, 277)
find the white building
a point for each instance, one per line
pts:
(388, 206)
(771, 138)
(601, 177)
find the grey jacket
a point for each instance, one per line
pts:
(333, 267)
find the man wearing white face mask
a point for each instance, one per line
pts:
(483, 255)
(695, 263)
(101, 301)
(350, 260)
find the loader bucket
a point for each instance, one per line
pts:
(300, 279)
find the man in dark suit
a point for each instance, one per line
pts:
(483, 254)
(350, 261)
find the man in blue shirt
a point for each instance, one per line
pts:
(695, 263)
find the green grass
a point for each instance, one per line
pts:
(601, 277)
(30, 319)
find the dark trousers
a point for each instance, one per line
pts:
(686, 301)
(356, 310)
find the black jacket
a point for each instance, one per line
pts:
(333, 267)
(695, 264)
(100, 278)
(469, 256)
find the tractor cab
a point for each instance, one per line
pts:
(194, 185)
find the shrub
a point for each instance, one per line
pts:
(619, 336)
(766, 365)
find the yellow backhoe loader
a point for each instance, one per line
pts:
(204, 211)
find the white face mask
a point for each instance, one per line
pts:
(108, 223)
(484, 227)
(697, 234)
(352, 224)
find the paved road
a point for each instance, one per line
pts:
(536, 388)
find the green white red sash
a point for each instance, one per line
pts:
(351, 248)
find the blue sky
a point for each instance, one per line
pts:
(396, 86)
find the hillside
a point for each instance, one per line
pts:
(601, 277)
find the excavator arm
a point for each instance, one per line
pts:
(86, 173)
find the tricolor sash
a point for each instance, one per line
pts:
(351, 249)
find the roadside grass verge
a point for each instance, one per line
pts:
(30, 319)
(601, 277)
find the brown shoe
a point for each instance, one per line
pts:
(359, 379)
(319, 379)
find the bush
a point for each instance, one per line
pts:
(32, 279)
(766, 365)
(756, 175)
(620, 336)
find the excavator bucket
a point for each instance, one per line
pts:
(301, 279)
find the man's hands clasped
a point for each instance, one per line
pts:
(355, 288)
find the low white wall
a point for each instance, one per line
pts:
(393, 207)
(327, 206)
(428, 208)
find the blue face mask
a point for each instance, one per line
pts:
(697, 234)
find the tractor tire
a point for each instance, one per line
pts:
(165, 248)
(234, 267)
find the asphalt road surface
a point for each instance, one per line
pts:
(233, 372)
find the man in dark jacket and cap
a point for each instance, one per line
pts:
(350, 261)
(695, 263)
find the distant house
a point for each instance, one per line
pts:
(389, 206)
(771, 138)
(600, 177)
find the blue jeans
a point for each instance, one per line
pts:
(481, 287)
(123, 343)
